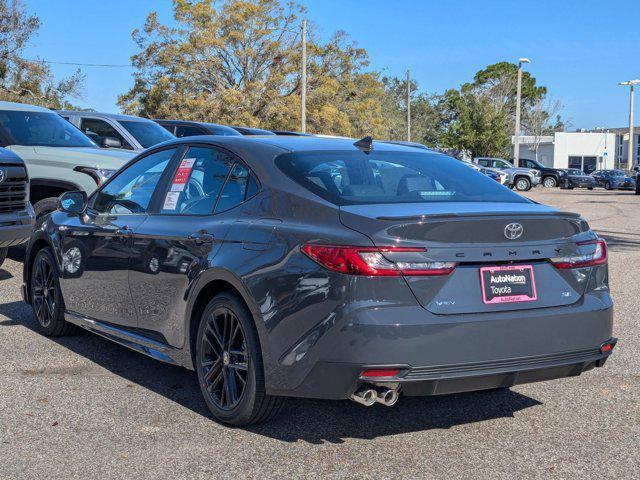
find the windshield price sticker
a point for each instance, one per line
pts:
(182, 175)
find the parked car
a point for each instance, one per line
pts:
(497, 175)
(58, 156)
(187, 128)
(551, 177)
(521, 179)
(117, 131)
(16, 213)
(576, 178)
(252, 131)
(614, 179)
(326, 269)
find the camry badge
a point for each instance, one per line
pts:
(513, 231)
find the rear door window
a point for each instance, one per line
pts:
(347, 178)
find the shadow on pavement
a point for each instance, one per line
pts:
(312, 421)
(4, 275)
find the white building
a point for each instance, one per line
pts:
(587, 151)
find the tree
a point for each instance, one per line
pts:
(238, 62)
(540, 120)
(23, 80)
(428, 116)
(481, 115)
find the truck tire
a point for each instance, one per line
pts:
(43, 208)
(523, 184)
(549, 182)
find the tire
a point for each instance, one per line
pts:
(49, 313)
(43, 208)
(523, 184)
(3, 255)
(549, 182)
(607, 186)
(232, 363)
(589, 188)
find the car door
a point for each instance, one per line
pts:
(97, 245)
(182, 237)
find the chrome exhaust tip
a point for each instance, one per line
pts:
(387, 397)
(365, 396)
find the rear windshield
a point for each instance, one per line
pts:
(353, 177)
(147, 134)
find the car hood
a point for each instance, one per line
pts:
(85, 156)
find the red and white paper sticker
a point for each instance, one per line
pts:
(182, 175)
(178, 184)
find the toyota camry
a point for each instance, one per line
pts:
(325, 268)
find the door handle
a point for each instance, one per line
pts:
(201, 238)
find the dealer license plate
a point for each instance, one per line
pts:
(508, 284)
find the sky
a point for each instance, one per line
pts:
(579, 50)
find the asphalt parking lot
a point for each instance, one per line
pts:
(83, 407)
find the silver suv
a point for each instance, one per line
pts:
(59, 157)
(111, 130)
(522, 179)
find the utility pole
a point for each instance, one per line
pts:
(408, 106)
(303, 94)
(631, 84)
(516, 140)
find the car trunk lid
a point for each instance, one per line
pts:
(477, 235)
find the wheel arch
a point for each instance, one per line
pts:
(41, 188)
(208, 285)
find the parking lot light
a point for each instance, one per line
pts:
(630, 84)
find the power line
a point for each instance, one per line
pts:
(76, 64)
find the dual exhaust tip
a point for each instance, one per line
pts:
(368, 396)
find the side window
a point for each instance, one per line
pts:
(97, 130)
(188, 131)
(527, 164)
(235, 190)
(499, 164)
(197, 182)
(484, 163)
(132, 189)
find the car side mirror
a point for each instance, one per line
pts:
(73, 202)
(110, 142)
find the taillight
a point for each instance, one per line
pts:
(373, 261)
(380, 373)
(598, 257)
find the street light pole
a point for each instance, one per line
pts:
(516, 140)
(631, 84)
(408, 106)
(303, 94)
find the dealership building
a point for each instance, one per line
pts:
(585, 150)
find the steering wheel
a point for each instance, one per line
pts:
(189, 194)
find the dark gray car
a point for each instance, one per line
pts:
(309, 267)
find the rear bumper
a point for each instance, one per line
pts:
(16, 228)
(336, 380)
(440, 354)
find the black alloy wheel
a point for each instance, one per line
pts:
(46, 296)
(228, 361)
(224, 358)
(607, 186)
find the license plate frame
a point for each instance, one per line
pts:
(516, 291)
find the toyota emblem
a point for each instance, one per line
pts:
(513, 231)
(2, 175)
